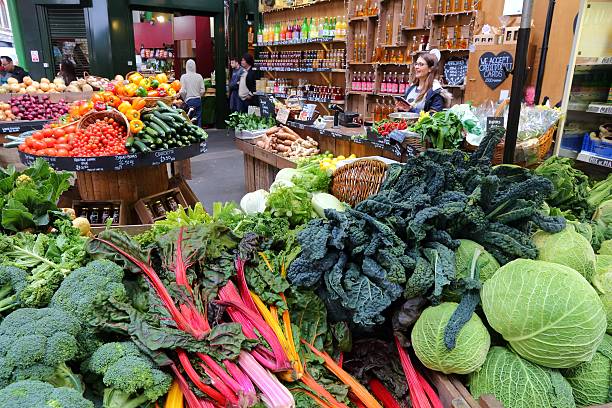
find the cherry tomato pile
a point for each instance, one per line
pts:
(386, 126)
(50, 142)
(102, 138)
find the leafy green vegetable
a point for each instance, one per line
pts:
(571, 187)
(244, 121)
(32, 393)
(600, 192)
(592, 381)
(444, 130)
(517, 383)
(548, 313)
(312, 178)
(28, 199)
(292, 203)
(566, 248)
(470, 351)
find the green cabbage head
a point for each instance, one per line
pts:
(517, 383)
(606, 299)
(470, 351)
(602, 279)
(606, 248)
(592, 381)
(567, 248)
(464, 256)
(548, 313)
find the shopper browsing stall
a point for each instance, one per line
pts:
(236, 73)
(192, 89)
(426, 93)
(247, 85)
(14, 71)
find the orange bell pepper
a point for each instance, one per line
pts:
(124, 107)
(86, 107)
(153, 93)
(130, 89)
(176, 85)
(114, 101)
(107, 95)
(97, 97)
(162, 78)
(136, 125)
(132, 114)
(138, 103)
(119, 89)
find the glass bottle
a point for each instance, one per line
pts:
(260, 35)
(440, 6)
(389, 30)
(413, 14)
(457, 35)
(402, 85)
(468, 5)
(383, 83)
(478, 5)
(376, 111)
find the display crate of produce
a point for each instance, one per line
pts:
(153, 208)
(98, 212)
(250, 134)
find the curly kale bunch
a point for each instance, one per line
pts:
(38, 394)
(36, 344)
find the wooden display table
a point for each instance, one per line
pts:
(261, 166)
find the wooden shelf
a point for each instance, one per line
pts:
(395, 45)
(362, 18)
(360, 63)
(454, 13)
(393, 63)
(406, 28)
(283, 96)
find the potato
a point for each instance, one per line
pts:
(31, 89)
(12, 81)
(44, 86)
(27, 80)
(35, 84)
(44, 80)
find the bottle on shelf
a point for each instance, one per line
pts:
(415, 44)
(468, 5)
(457, 42)
(440, 6)
(251, 35)
(321, 28)
(395, 84)
(374, 8)
(260, 35)
(401, 89)
(477, 5)
(376, 111)
(413, 14)
(383, 83)
(389, 30)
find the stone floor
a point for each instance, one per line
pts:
(218, 175)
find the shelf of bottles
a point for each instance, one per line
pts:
(313, 30)
(333, 60)
(304, 90)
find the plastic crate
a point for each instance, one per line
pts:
(597, 147)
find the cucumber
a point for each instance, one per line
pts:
(179, 144)
(160, 123)
(151, 132)
(141, 146)
(173, 116)
(162, 106)
(165, 146)
(156, 128)
(129, 141)
(158, 141)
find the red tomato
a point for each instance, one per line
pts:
(23, 147)
(38, 135)
(60, 140)
(47, 132)
(70, 129)
(38, 145)
(49, 141)
(58, 133)
(51, 152)
(64, 146)
(62, 152)
(29, 141)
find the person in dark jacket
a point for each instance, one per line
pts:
(13, 70)
(426, 93)
(247, 85)
(67, 71)
(236, 72)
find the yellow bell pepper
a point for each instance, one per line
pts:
(124, 107)
(136, 126)
(132, 114)
(135, 78)
(130, 89)
(171, 92)
(164, 86)
(162, 78)
(145, 83)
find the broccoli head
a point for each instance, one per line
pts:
(38, 394)
(12, 283)
(131, 377)
(35, 344)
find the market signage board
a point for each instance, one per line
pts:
(121, 162)
(283, 115)
(266, 107)
(494, 69)
(455, 71)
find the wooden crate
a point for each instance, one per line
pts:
(145, 207)
(80, 206)
(128, 229)
(179, 182)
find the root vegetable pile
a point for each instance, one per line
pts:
(287, 143)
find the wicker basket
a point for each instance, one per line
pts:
(93, 116)
(356, 181)
(498, 153)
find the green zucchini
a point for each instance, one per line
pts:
(151, 132)
(156, 128)
(141, 146)
(160, 123)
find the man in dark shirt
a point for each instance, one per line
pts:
(13, 70)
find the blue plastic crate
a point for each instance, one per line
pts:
(597, 147)
(572, 141)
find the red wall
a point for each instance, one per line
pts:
(152, 36)
(197, 28)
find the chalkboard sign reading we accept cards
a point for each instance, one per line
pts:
(455, 71)
(494, 69)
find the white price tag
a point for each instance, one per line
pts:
(282, 115)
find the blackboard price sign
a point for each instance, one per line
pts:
(125, 161)
(266, 106)
(164, 156)
(455, 71)
(495, 121)
(396, 149)
(494, 69)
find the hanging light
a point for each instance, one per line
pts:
(160, 19)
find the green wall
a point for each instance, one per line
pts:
(111, 35)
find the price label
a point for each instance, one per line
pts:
(495, 121)
(283, 115)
